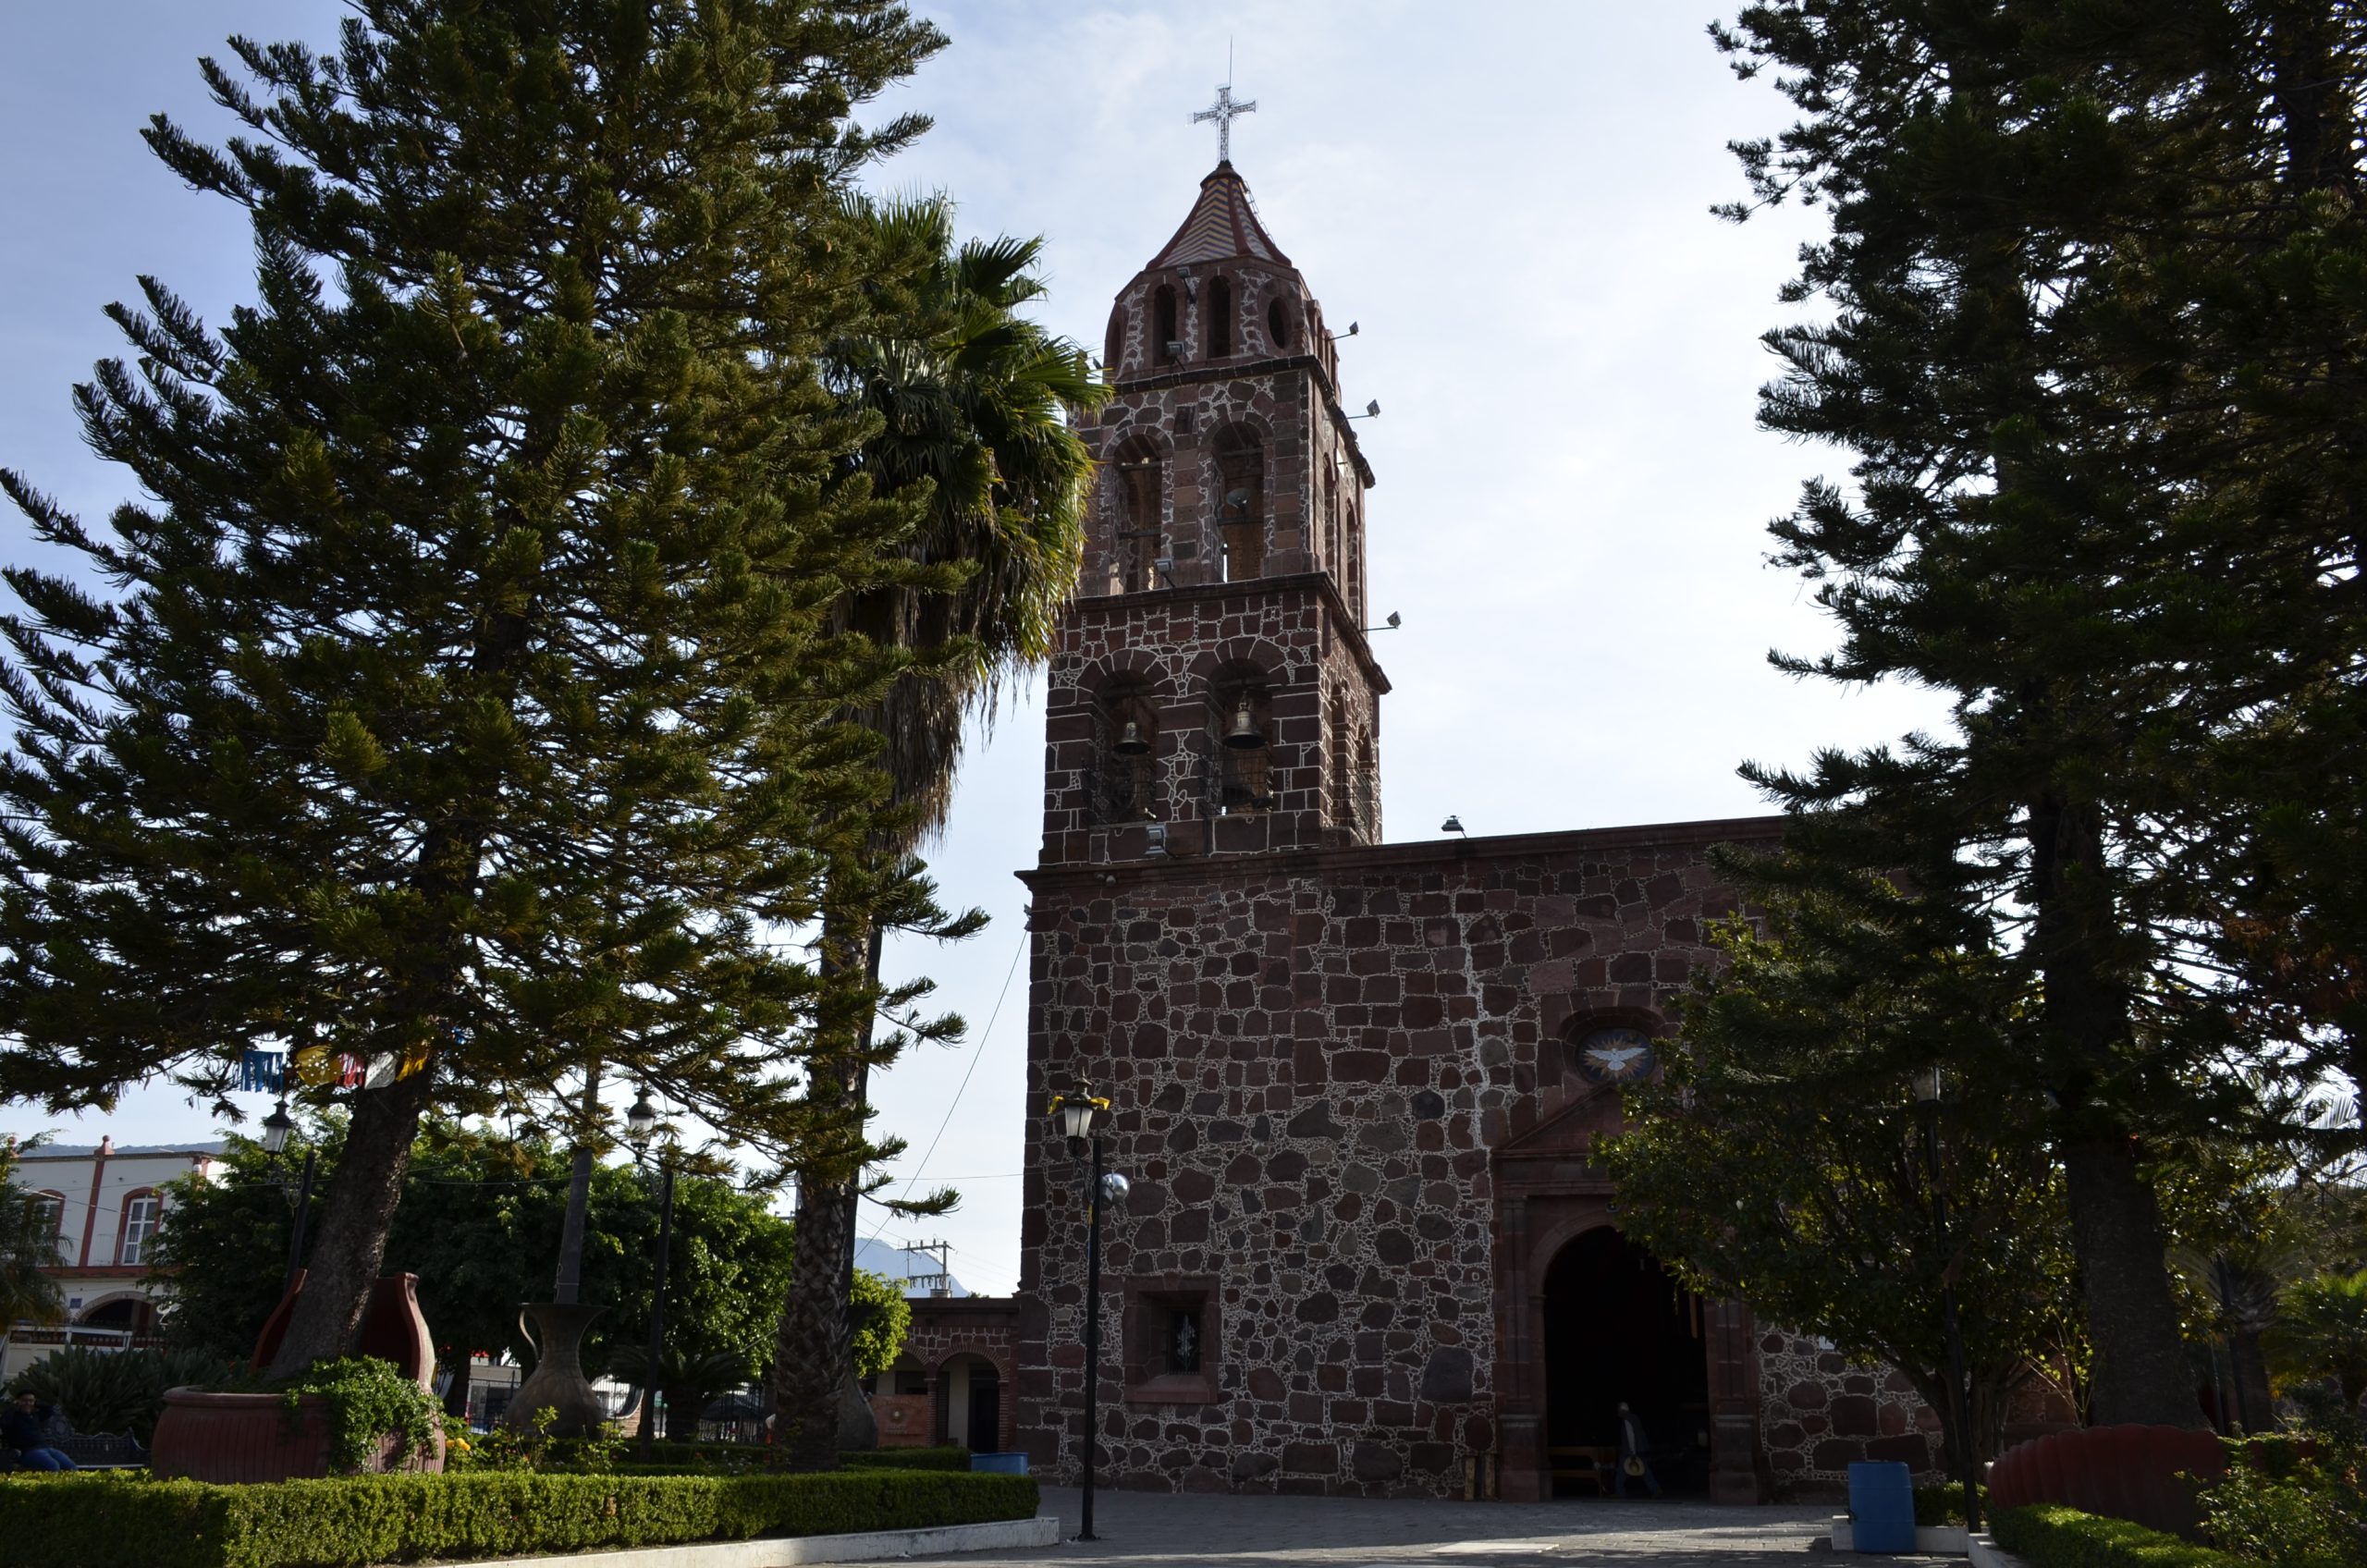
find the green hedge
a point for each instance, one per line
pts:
(679, 1457)
(2051, 1537)
(114, 1521)
(1940, 1504)
(908, 1459)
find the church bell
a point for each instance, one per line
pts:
(1130, 740)
(1244, 735)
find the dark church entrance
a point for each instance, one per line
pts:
(1617, 1327)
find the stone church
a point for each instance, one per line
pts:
(1352, 1083)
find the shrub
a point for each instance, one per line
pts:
(107, 1520)
(2051, 1537)
(2295, 1502)
(1943, 1504)
(367, 1399)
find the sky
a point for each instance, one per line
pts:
(1511, 198)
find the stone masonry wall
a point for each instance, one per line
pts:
(1311, 1057)
(1820, 1413)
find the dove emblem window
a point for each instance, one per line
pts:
(1614, 1055)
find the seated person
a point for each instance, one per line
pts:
(20, 1428)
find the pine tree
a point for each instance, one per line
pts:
(2067, 513)
(469, 696)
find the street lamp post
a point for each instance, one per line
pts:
(641, 1124)
(1080, 1119)
(1927, 1109)
(275, 1130)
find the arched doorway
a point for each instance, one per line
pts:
(1618, 1327)
(970, 1403)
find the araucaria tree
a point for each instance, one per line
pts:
(2095, 342)
(468, 696)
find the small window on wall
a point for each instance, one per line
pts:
(1113, 347)
(1220, 317)
(143, 1213)
(1241, 717)
(1172, 1352)
(1126, 772)
(1241, 501)
(49, 1216)
(1277, 325)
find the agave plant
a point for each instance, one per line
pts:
(112, 1391)
(689, 1383)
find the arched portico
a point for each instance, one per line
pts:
(1548, 1198)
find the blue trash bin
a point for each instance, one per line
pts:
(1881, 1506)
(1016, 1463)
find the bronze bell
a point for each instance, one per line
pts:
(1244, 735)
(1130, 740)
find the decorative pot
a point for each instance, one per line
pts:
(557, 1383)
(251, 1437)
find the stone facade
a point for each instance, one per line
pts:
(1346, 1077)
(1319, 1063)
(1821, 1413)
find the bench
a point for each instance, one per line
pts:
(1589, 1467)
(101, 1451)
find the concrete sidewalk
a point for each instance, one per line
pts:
(1140, 1528)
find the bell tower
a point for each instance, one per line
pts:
(1212, 692)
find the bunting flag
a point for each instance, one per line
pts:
(262, 1072)
(318, 1066)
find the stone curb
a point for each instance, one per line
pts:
(1930, 1540)
(871, 1546)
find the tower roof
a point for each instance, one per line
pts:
(1223, 224)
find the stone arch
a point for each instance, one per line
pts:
(958, 1416)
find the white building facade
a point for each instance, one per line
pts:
(105, 1204)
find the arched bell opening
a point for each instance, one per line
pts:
(1113, 344)
(1138, 470)
(1619, 1327)
(1220, 318)
(1165, 345)
(1241, 722)
(1241, 501)
(1126, 731)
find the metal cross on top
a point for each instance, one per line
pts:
(1223, 112)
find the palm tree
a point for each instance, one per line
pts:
(970, 399)
(2322, 1332)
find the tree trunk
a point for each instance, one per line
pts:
(352, 1241)
(810, 1359)
(2141, 1373)
(456, 1398)
(570, 1283)
(813, 1384)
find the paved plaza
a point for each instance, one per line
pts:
(1262, 1532)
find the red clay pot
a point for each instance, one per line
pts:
(249, 1437)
